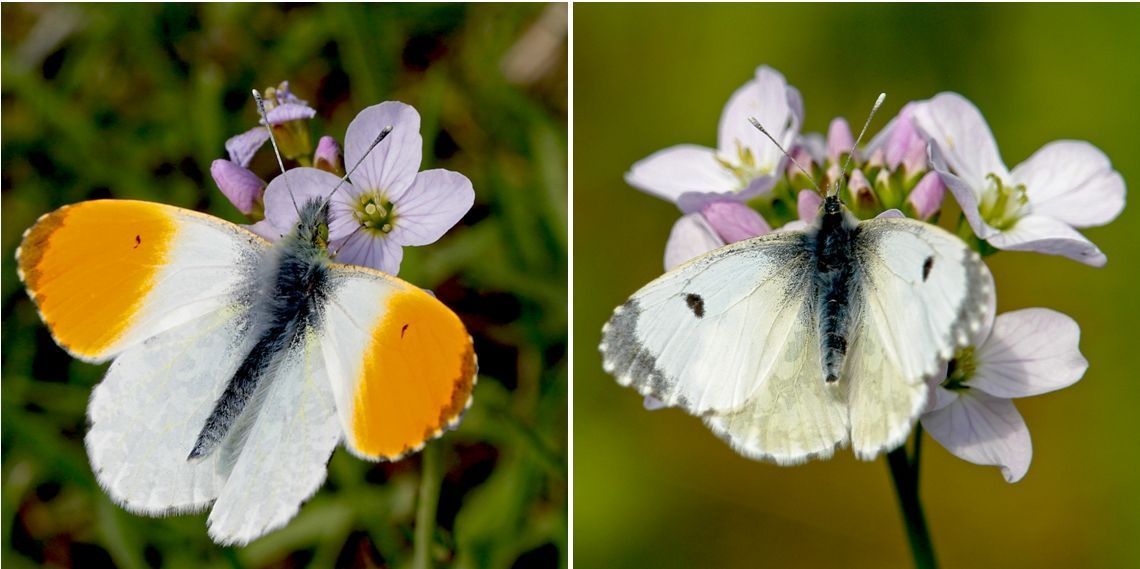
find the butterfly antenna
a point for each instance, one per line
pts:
(272, 139)
(379, 138)
(761, 128)
(847, 162)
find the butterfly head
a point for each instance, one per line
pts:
(313, 227)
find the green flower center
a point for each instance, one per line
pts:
(1003, 205)
(745, 167)
(961, 369)
(375, 213)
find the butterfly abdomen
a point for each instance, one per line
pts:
(834, 286)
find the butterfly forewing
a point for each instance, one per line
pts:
(702, 336)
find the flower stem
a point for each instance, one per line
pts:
(430, 477)
(904, 472)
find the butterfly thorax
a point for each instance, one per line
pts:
(289, 299)
(835, 283)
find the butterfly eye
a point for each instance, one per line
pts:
(323, 234)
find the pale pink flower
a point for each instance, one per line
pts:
(745, 163)
(1036, 205)
(1018, 354)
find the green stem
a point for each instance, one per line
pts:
(430, 477)
(904, 474)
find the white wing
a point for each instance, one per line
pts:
(146, 414)
(922, 294)
(280, 454)
(707, 334)
(794, 415)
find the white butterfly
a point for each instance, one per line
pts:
(793, 344)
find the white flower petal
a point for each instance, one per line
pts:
(1072, 181)
(437, 200)
(767, 99)
(968, 202)
(1047, 235)
(392, 165)
(681, 169)
(962, 136)
(983, 429)
(1030, 352)
(690, 238)
(939, 396)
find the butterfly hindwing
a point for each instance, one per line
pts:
(403, 363)
(278, 453)
(150, 406)
(923, 294)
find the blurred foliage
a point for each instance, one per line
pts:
(136, 101)
(658, 489)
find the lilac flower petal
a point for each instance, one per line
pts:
(242, 187)
(292, 190)
(968, 202)
(1047, 235)
(391, 167)
(807, 205)
(364, 249)
(963, 138)
(840, 141)
(891, 214)
(282, 114)
(734, 221)
(1072, 181)
(242, 147)
(983, 429)
(681, 169)
(1030, 352)
(328, 155)
(437, 200)
(766, 99)
(265, 230)
(652, 403)
(926, 197)
(690, 238)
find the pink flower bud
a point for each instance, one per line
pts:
(926, 197)
(734, 221)
(328, 156)
(242, 187)
(839, 139)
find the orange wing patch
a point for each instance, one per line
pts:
(417, 377)
(88, 267)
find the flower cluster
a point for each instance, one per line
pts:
(747, 187)
(385, 205)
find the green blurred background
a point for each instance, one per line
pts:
(135, 102)
(657, 489)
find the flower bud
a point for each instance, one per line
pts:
(328, 156)
(807, 205)
(926, 197)
(861, 192)
(839, 140)
(734, 221)
(242, 187)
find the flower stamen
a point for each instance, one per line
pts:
(1003, 205)
(375, 213)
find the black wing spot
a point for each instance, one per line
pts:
(138, 241)
(696, 304)
(402, 330)
(926, 266)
